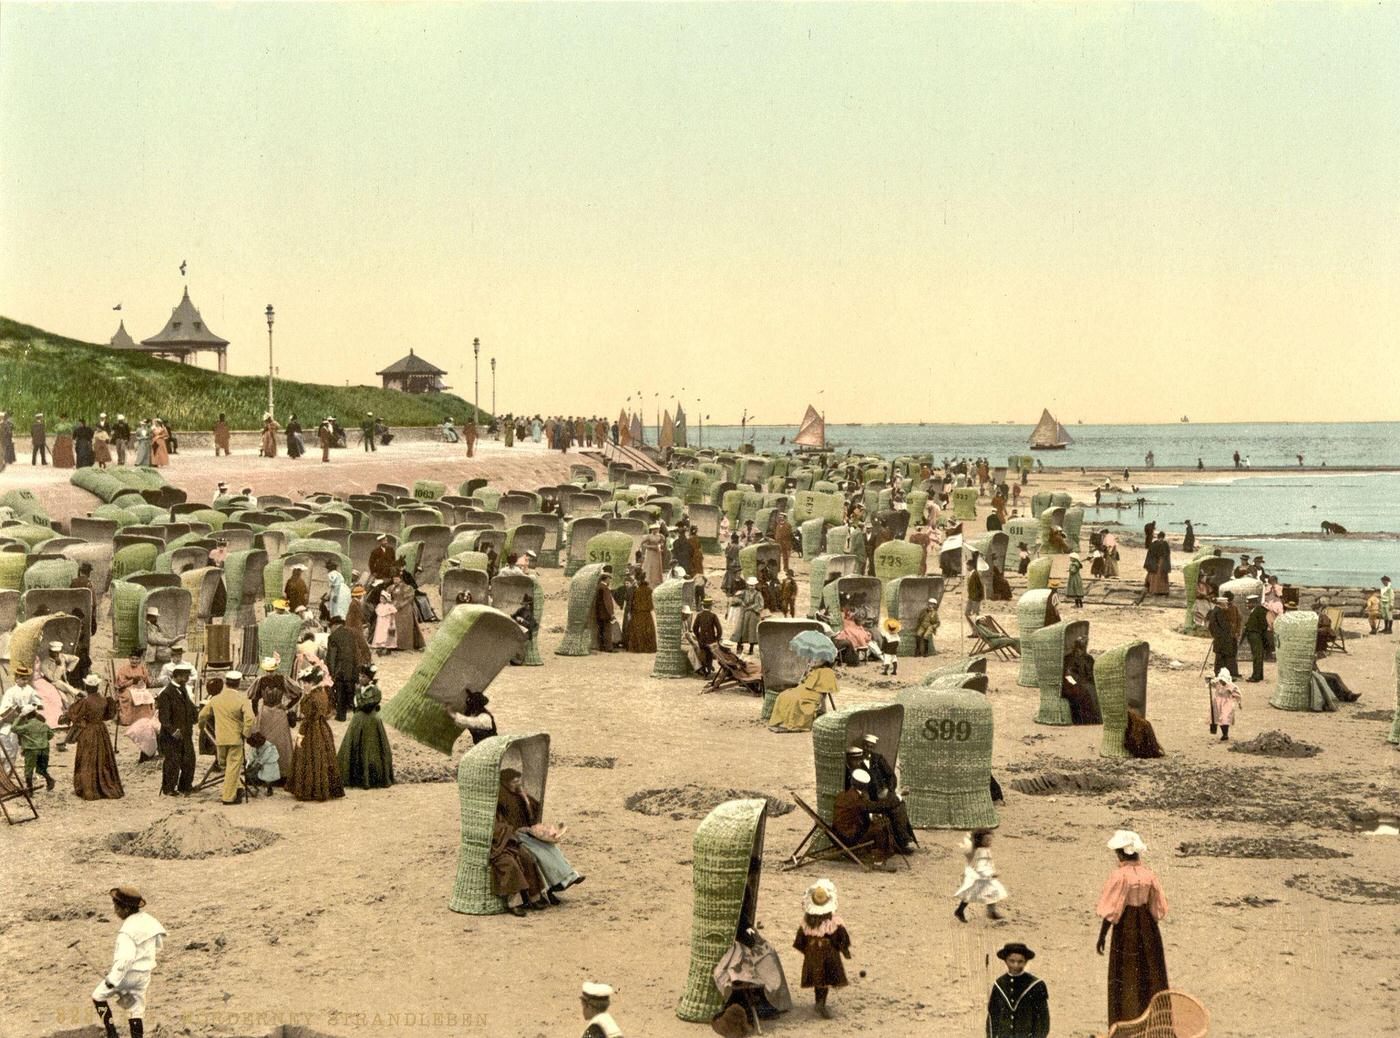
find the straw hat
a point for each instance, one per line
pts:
(128, 897)
(92, 681)
(21, 671)
(597, 992)
(820, 898)
(860, 775)
(892, 626)
(1128, 841)
(233, 675)
(268, 664)
(752, 581)
(55, 646)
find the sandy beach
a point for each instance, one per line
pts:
(1281, 906)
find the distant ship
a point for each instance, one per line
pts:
(1049, 434)
(812, 432)
(1185, 420)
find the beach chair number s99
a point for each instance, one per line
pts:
(959, 731)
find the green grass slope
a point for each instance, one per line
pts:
(40, 371)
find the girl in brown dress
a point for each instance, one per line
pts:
(315, 772)
(822, 939)
(95, 774)
(1131, 903)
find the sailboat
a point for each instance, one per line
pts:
(1049, 434)
(813, 430)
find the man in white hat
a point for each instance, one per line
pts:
(158, 640)
(595, 1000)
(233, 719)
(38, 440)
(139, 941)
(177, 657)
(57, 669)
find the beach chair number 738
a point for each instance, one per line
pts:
(959, 731)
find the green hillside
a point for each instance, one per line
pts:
(40, 371)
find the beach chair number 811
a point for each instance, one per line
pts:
(959, 731)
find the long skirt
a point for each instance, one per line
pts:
(314, 774)
(63, 456)
(1137, 964)
(364, 756)
(556, 868)
(1158, 582)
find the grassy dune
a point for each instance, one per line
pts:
(40, 371)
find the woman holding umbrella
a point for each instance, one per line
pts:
(796, 709)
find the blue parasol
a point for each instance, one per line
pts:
(813, 645)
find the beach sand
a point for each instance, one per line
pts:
(341, 923)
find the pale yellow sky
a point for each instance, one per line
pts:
(942, 213)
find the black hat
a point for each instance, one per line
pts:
(1015, 948)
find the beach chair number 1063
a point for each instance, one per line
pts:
(958, 731)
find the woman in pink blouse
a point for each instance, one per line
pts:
(1131, 904)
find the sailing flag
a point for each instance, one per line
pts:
(182, 268)
(117, 307)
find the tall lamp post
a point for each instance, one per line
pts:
(493, 387)
(476, 378)
(270, 316)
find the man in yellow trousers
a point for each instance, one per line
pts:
(233, 722)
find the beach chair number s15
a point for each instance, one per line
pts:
(957, 731)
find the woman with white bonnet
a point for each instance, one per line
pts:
(1131, 904)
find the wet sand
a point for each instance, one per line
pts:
(341, 921)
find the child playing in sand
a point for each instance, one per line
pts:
(822, 939)
(261, 766)
(980, 884)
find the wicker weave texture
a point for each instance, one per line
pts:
(671, 660)
(1048, 646)
(1038, 574)
(1111, 677)
(947, 752)
(1296, 634)
(580, 631)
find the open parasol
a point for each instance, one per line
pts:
(813, 645)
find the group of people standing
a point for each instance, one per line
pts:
(80, 445)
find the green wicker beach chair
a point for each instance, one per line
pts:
(1040, 501)
(895, 559)
(671, 660)
(277, 635)
(50, 573)
(1120, 675)
(1038, 574)
(508, 593)
(782, 668)
(1394, 738)
(958, 668)
(243, 584)
(1048, 646)
(134, 558)
(479, 789)
(29, 638)
(469, 648)
(905, 598)
(1296, 637)
(754, 555)
(727, 863)
(833, 733)
(947, 752)
(1074, 523)
(581, 632)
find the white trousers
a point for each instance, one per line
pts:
(130, 993)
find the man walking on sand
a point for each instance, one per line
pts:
(221, 439)
(367, 431)
(470, 435)
(39, 441)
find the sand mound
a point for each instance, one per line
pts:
(1274, 743)
(190, 835)
(567, 761)
(1053, 783)
(1374, 715)
(1257, 847)
(1351, 889)
(696, 801)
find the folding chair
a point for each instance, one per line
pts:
(1339, 643)
(992, 638)
(803, 853)
(12, 787)
(731, 670)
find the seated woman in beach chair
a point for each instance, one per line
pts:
(1077, 685)
(993, 636)
(796, 709)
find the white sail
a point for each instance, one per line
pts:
(1049, 433)
(813, 430)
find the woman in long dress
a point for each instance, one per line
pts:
(95, 775)
(365, 760)
(410, 638)
(269, 437)
(315, 773)
(101, 451)
(795, 709)
(1131, 904)
(62, 454)
(160, 436)
(143, 445)
(82, 444)
(295, 447)
(642, 636)
(1273, 601)
(523, 813)
(653, 550)
(275, 727)
(733, 581)
(750, 613)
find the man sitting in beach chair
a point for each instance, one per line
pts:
(1326, 633)
(731, 670)
(992, 638)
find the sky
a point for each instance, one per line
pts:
(903, 213)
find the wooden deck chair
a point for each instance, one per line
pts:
(730, 669)
(804, 854)
(12, 787)
(1170, 1014)
(1339, 644)
(992, 638)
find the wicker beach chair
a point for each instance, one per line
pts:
(1030, 617)
(9, 610)
(964, 502)
(28, 639)
(727, 867)
(1170, 1014)
(1120, 675)
(1038, 574)
(508, 593)
(766, 553)
(243, 584)
(670, 660)
(551, 538)
(1049, 646)
(780, 667)
(478, 789)
(905, 598)
(434, 539)
(50, 573)
(947, 753)
(1296, 636)
(1394, 737)
(278, 635)
(580, 630)
(470, 647)
(960, 667)
(612, 548)
(822, 568)
(895, 559)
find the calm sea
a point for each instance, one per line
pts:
(1118, 446)
(1254, 513)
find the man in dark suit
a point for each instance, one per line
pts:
(177, 716)
(1019, 1006)
(604, 609)
(342, 664)
(39, 440)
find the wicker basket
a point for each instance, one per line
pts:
(469, 648)
(727, 864)
(479, 790)
(1296, 634)
(671, 660)
(580, 631)
(1047, 646)
(947, 748)
(1114, 671)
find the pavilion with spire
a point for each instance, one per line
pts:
(184, 337)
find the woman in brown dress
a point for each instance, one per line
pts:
(95, 774)
(641, 636)
(315, 772)
(1131, 903)
(822, 939)
(513, 870)
(410, 637)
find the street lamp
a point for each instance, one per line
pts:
(476, 368)
(493, 386)
(270, 315)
